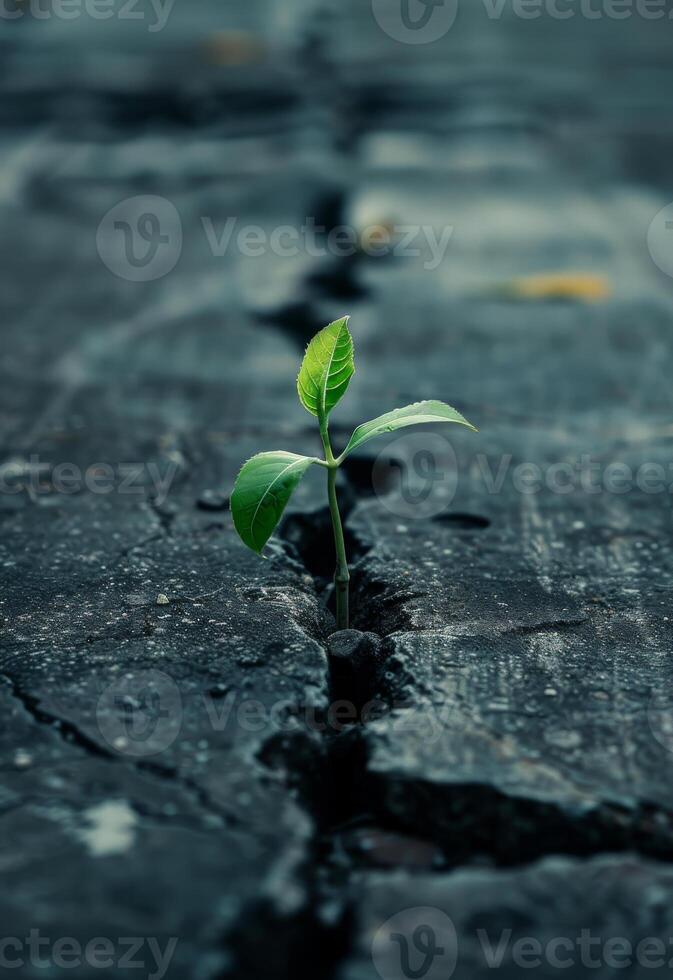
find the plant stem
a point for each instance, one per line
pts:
(341, 575)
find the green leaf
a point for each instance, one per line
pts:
(326, 369)
(416, 414)
(261, 492)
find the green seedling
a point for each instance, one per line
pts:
(266, 482)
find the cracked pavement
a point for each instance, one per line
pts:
(174, 760)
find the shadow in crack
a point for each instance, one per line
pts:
(464, 522)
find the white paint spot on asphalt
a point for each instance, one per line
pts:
(111, 828)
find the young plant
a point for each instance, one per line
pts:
(266, 482)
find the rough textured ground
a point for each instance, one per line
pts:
(184, 751)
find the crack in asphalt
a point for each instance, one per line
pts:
(71, 733)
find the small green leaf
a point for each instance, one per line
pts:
(261, 492)
(326, 369)
(430, 411)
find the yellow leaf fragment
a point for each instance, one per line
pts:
(585, 287)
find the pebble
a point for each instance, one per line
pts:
(162, 599)
(563, 739)
(212, 500)
(22, 759)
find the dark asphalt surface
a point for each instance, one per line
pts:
(173, 763)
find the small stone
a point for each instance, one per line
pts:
(166, 508)
(563, 739)
(394, 850)
(355, 659)
(22, 759)
(212, 500)
(162, 599)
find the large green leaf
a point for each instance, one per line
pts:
(326, 369)
(261, 492)
(416, 414)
